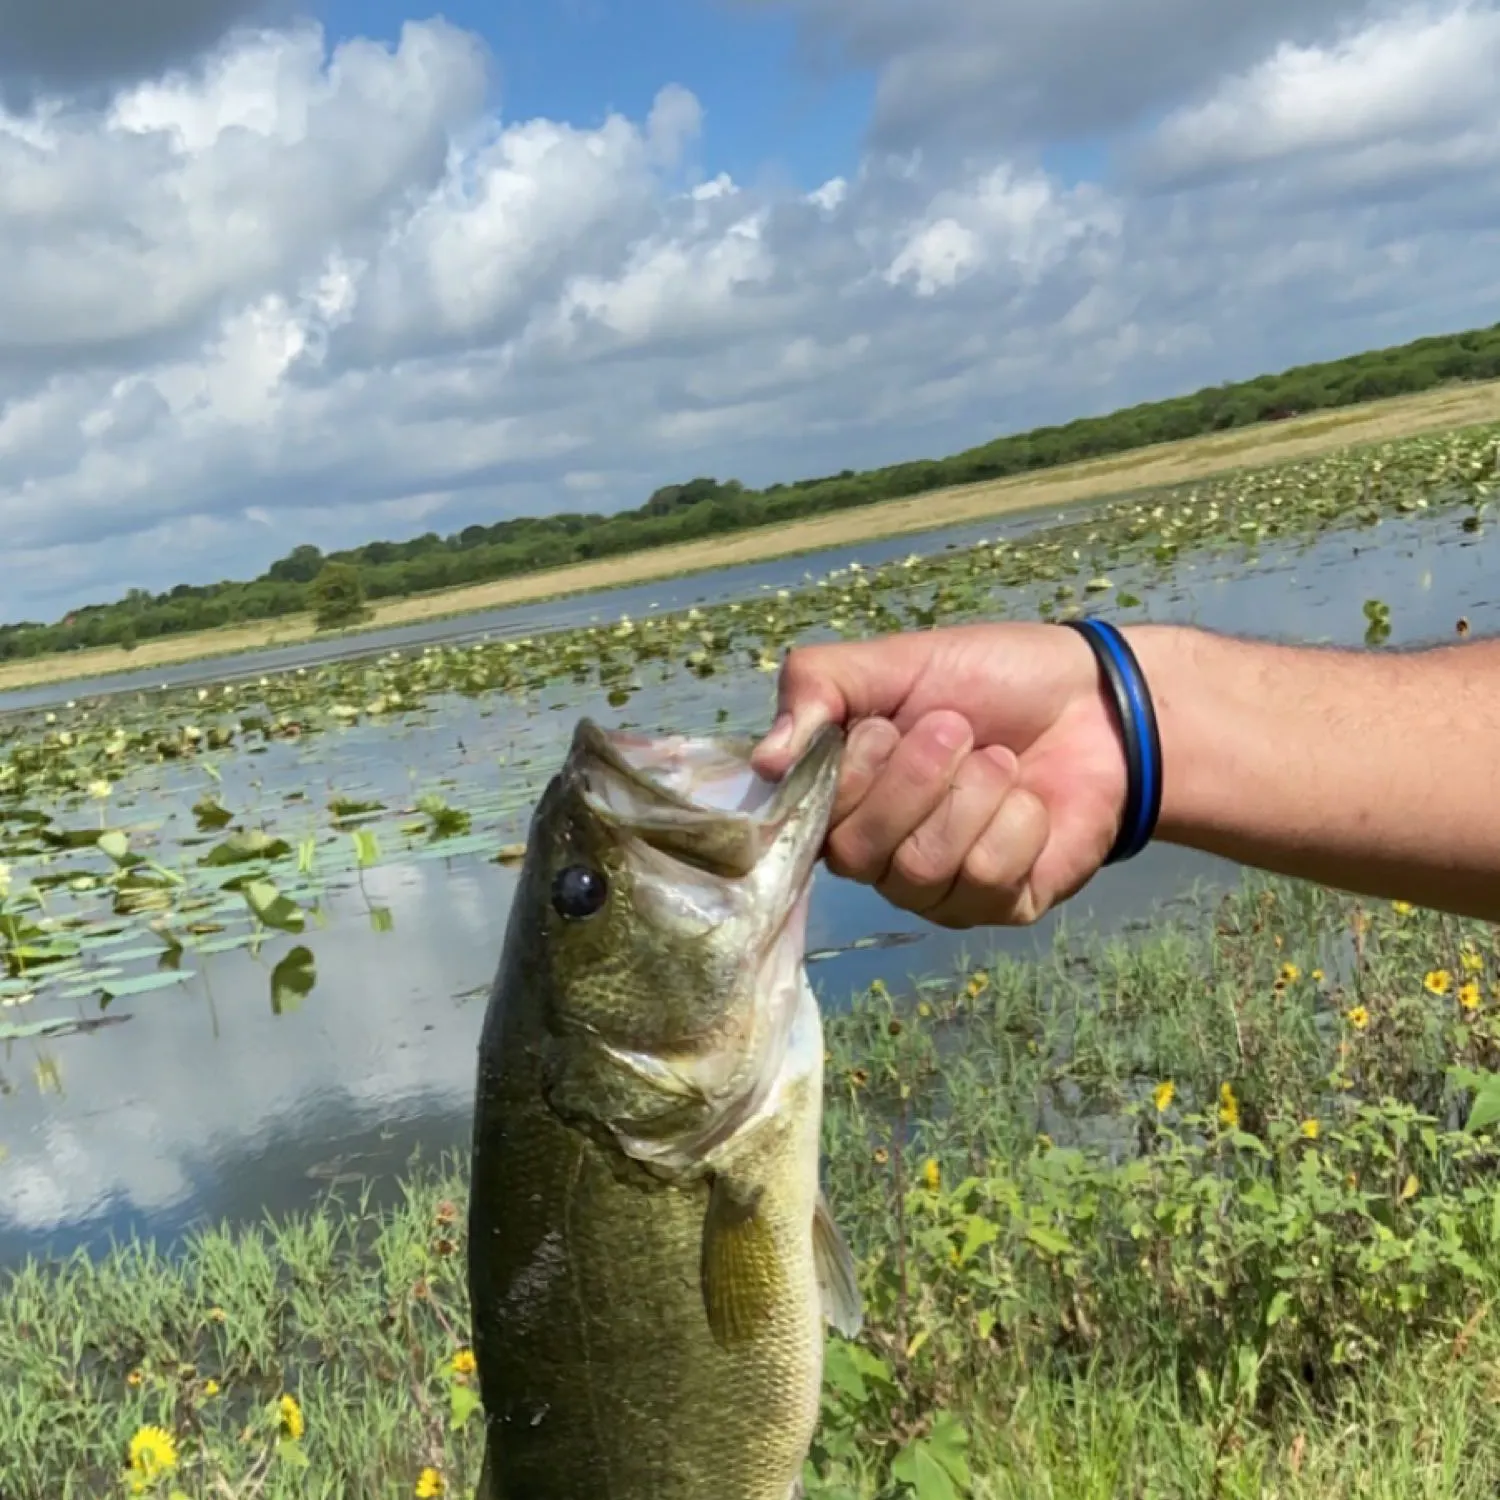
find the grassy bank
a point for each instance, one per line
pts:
(1162, 464)
(1193, 1217)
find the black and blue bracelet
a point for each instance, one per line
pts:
(1137, 719)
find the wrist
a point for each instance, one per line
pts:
(1121, 696)
(1182, 686)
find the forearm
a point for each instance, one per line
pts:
(1373, 772)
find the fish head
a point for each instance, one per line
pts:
(663, 908)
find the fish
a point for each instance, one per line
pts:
(652, 1262)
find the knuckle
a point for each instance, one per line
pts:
(919, 863)
(990, 870)
(852, 854)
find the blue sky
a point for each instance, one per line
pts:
(765, 108)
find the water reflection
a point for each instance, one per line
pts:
(207, 1105)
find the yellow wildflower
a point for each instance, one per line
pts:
(1310, 1129)
(1402, 908)
(292, 1424)
(1468, 995)
(217, 1315)
(882, 1156)
(152, 1452)
(1471, 961)
(932, 1174)
(464, 1362)
(1438, 981)
(1290, 973)
(429, 1484)
(1229, 1108)
(211, 1387)
(100, 789)
(1358, 1017)
(1317, 976)
(1163, 1095)
(134, 1378)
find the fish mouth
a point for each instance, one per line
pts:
(698, 800)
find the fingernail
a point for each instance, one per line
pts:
(767, 755)
(779, 735)
(952, 734)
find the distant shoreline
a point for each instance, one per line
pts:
(1067, 485)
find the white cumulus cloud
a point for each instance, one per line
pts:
(297, 289)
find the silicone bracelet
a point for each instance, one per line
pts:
(1137, 719)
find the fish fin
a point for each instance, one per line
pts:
(742, 1272)
(658, 1072)
(838, 1281)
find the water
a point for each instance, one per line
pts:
(206, 1104)
(529, 619)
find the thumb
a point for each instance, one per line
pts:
(833, 684)
(789, 736)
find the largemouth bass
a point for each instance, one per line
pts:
(651, 1259)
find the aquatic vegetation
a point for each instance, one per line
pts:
(141, 833)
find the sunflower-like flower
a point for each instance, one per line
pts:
(153, 1452)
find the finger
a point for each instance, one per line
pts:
(870, 745)
(834, 684)
(995, 886)
(902, 794)
(923, 870)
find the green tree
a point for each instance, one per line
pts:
(337, 596)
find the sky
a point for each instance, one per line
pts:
(272, 274)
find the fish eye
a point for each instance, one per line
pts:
(578, 891)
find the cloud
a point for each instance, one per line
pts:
(73, 43)
(978, 71)
(1409, 88)
(301, 292)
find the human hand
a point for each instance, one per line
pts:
(983, 778)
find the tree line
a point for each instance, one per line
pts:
(705, 507)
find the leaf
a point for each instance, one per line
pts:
(116, 844)
(238, 848)
(16, 1031)
(1277, 1310)
(272, 908)
(1485, 1109)
(917, 1466)
(1049, 1241)
(351, 807)
(948, 1443)
(979, 1233)
(366, 847)
(841, 1370)
(210, 814)
(289, 1451)
(463, 1402)
(292, 980)
(141, 984)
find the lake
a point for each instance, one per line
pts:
(232, 1094)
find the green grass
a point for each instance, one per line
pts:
(1070, 1291)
